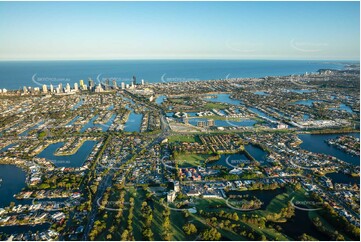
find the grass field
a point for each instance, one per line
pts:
(191, 160)
(183, 138)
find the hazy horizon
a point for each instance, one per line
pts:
(34, 31)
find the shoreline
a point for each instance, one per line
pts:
(196, 80)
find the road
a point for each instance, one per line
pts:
(107, 180)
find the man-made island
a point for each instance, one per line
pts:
(272, 158)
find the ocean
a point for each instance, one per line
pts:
(16, 74)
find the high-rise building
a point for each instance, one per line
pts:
(81, 83)
(25, 89)
(45, 89)
(68, 87)
(134, 81)
(99, 88)
(114, 83)
(51, 88)
(91, 84)
(142, 81)
(76, 88)
(60, 87)
(123, 85)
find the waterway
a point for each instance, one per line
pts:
(261, 93)
(261, 113)
(225, 123)
(301, 91)
(75, 160)
(308, 102)
(7, 147)
(300, 224)
(160, 99)
(133, 123)
(223, 98)
(91, 124)
(343, 107)
(316, 143)
(13, 180)
(26, 132)
(256, 152)
(77, 105)
(72, 121)
(343, 178)
(265, 196)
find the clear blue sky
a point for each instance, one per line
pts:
(180, 30)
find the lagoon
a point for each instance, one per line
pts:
(223, 98)
(13, 180)
(75, 160)
(316, 143)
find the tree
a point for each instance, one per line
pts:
(235, 216)
(211, 234)
(125, 235)
(148, 234)
(189, 229)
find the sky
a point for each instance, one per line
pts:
(179, 30)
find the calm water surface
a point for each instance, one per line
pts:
(75, 160)
(316, 143)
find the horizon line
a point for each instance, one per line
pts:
(175, 59)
